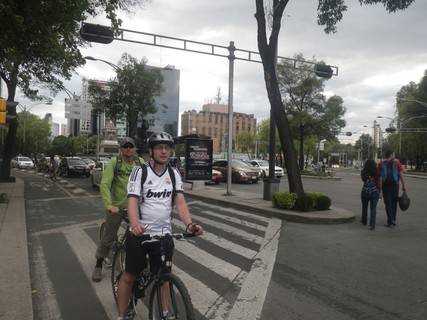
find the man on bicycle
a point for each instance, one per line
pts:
(113, 189)
(150, 204)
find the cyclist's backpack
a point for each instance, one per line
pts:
(119, 162)
(387, 172)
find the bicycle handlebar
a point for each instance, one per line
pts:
(177, 236)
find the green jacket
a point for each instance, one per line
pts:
(114, 189)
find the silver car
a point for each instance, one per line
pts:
(97, 171)
(22, 163)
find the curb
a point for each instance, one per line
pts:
(333, 216)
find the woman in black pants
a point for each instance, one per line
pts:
(370, 192)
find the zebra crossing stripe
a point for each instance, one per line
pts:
(84, 249)
(227, 228)
(251, 298)
(219, 266)
(226, 244)
(234, 211)
(236, 220)
(202, 296)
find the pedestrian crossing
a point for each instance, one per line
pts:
(226, 270)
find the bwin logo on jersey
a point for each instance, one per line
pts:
(161, 194)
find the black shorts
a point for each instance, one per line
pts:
(136, 254)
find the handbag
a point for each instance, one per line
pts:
(404, 201)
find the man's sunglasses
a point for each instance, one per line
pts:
(127, 146)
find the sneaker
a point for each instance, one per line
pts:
(97, 274)
(372, 227)
(388, 225)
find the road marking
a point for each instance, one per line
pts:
(67, 198)
(232, 230)
(43, 292)
(236, 220)
(69, 228)
(251, 299)
(226, 244)
(202, 296)
(221, 267)
(235, 211)
(84, 248)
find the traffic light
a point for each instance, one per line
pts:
(3, 111)
(96, 33)
(323, 71)
(390, 130)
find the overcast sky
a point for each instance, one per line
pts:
(376, 53)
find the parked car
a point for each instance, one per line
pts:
(217, 177)
(73, 166)
(89, 162)
(264, 166)
(241, 171)
(22, 163)
(97, 171)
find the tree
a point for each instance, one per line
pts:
(61, 145)
(263, 136)
(40, 46)
(302, 93)
(246, 142)
(329, 14)
(131, 94)
(37, 133)
(365, 144)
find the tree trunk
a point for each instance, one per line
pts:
(301, 146)
(267, 52)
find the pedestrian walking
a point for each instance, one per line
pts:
(53, 168)
(370, 192)
(391, 172)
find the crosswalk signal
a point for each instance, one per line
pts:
(3, 111)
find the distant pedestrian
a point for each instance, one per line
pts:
(391, 172)
(53, 168)
(370, 192)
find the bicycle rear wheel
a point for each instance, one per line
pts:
(173, 298)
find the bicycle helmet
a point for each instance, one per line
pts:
(159, 138)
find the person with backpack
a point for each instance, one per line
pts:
(113, 189)
(370, 192)
(391, 172)
(153, 190)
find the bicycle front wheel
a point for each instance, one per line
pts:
(170, 296)
(117, 268)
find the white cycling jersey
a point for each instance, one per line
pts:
(155, 205)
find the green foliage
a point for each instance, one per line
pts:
(284, 200)
(36, 132)
(314, 196)
(4, 198)
(131, 93)
(323, 203)
(263, 137)
(304, 203)
(246, 141)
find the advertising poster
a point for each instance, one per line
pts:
(198, 159)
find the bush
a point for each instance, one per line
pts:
(304, 203)
(4, 198)
(284, 200)
(323, 203)
(314, 196)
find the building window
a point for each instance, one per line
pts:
(210, 132)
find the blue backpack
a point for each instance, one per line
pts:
(389, 172)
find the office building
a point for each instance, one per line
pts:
(213, 122)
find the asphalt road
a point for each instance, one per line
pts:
(320, 271)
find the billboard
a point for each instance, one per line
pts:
(198, 159)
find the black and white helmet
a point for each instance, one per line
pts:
(158, 138)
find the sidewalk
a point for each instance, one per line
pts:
(15, 289)
(255, 203)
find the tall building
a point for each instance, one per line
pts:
(213, 122)
(64, 130)
(82, 121)
(54, 127)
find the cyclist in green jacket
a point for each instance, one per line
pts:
(114, 194)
